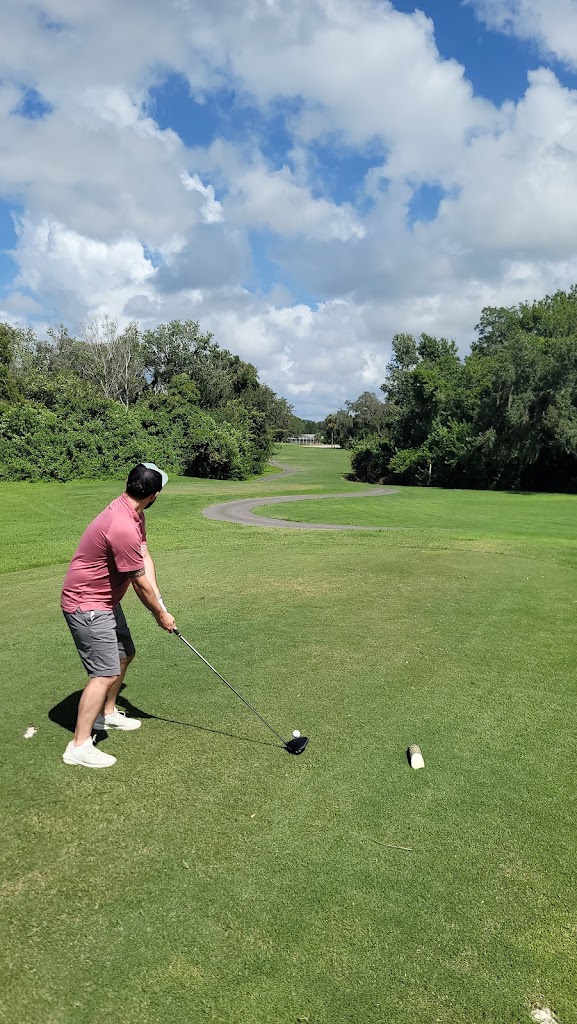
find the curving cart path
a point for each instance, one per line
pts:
(240, 512)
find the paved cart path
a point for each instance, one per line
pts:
(240, 511)
(284, 470)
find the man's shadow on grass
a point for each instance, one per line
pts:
(65, 712)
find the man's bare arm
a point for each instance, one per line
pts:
(145, 592)
(149, 568)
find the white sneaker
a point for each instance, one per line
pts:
(87, 755)
(117, 720)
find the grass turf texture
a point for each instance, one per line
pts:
(210, 876)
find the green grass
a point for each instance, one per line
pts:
(209, 876)
(537, 525)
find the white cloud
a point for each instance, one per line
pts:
(258, 196)
(518, 185)
(22, 305)
(365, 71)
(211, 210)
(64, 47)
(316, 357)
(71, 273)
(214, 255)
(121, 216)
(552, 24)
(101, 169)
(262, 198)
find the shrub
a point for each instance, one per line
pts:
(370, 459)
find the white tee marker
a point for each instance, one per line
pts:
(30, 732)
(415, 756)
(543, 1015)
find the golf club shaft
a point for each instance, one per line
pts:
(222, 679)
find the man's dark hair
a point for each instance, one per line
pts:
(142, 482)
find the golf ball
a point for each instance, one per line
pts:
(296, 733)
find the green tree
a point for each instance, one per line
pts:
(9, 385)
(505, 416)
(329, 428)
(340, 427)
(170, 349)
(369, 415)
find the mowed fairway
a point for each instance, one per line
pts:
(211, 876)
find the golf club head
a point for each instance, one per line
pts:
(296, 745)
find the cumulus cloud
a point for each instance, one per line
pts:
(211, 210)
(72, 273)
(364, 71)
(551, 24)
(96, 165)
(125, 216)
(214, 255)
(517, 186)
(314, 357)
(260, 196)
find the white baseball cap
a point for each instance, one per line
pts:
(151, 465)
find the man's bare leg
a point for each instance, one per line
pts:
(115, 685)
(90, 705)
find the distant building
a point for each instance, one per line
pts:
(303, 439)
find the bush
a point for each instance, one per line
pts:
(220, 453)
(37, 443)
(370, 459)
(31, 444)
(188, 440)
(62, 428)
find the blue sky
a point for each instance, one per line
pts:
(305, 178)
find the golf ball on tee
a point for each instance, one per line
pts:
(296, 733)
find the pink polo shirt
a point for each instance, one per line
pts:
(109, 549)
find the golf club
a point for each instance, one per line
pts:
(294, 746)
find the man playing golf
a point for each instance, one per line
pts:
(111, 555)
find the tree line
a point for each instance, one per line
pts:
(504, 416)
(89, 406)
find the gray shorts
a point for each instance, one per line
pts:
(102, 639)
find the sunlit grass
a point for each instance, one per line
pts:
(209, 876)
